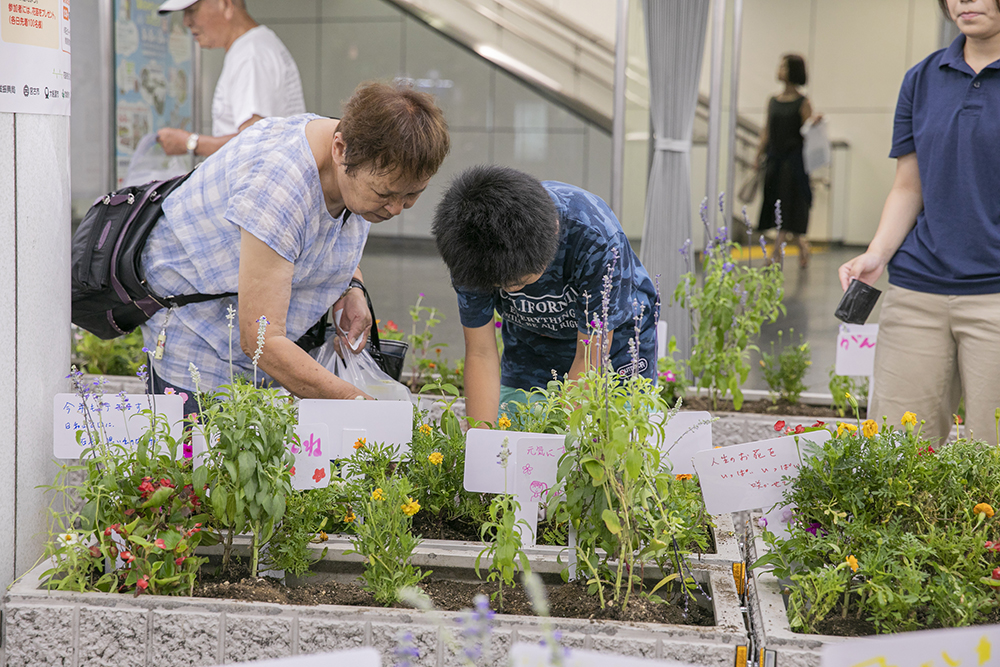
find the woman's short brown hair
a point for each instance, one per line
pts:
(944, 8)
(391, 127)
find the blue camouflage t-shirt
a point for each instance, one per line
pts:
(540, 322)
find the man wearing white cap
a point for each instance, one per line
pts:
(259, 76)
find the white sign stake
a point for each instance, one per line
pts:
(311, 469)
(749, 476)
(856, 349)
(119, 420)
(686, 434)
(968, 647)
(385, 422)
(484, 474)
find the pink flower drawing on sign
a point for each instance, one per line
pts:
(527, 469)
(538, 489)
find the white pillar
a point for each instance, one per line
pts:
(34, 324)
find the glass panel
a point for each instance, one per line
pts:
(511, 94)
(599, 163)
(548, 156)
(458, 79)
(353, 52)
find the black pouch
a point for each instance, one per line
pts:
(857, 303)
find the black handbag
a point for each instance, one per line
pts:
(110, 296)
(388, 354)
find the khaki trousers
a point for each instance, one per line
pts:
(932, 349)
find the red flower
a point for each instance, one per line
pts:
(992, 546)
(146, 487)
(143, 583)
(292, 471)
(179, 561)
(818, 424)
(130, 511)
(113, 550)
(127, 556)
(800, 429)
(778, 425)
(95, 551)
(112, 527)
(996, 573)
(166, 482)
(160, 544)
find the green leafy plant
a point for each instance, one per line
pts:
(307, 514)
(502, 534)
(785, 371)
(841, 385)
(251, 431)
(383, 536)
(141, 508)
(428, 361)
(118, 356)
(727, 310)
(891, 529)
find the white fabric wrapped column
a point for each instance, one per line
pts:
(675, 38)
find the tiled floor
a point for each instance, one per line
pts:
(397, 272)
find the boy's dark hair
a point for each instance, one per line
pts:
(796, 69)
(943, 4)
(495, 226)
(389, 127)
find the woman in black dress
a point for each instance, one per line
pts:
(785, 177)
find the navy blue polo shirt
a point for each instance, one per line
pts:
(950, 116)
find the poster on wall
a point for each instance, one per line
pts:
(35, 52)
(153, 76)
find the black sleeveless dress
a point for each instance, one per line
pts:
(785, 177)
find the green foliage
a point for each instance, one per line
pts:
(841, 385)
(916, 521)
(251, 431)
(118, 356)
(141, 507)
(628, 508)
(425, 366)
(502, 534)
(671, 374)
(307, 513)
(384, 498)
(727, 311)
(785, 371)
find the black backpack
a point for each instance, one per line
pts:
(110, 294)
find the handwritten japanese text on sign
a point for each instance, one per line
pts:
(957, 647)
(749, 476)
(856, 349)
(537, 464)
(118, 418)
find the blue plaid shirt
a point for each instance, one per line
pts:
(265, 181)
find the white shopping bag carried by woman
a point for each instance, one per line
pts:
(816, 150)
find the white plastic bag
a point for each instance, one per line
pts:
(361, 371)
(816, 149)
(150, 163)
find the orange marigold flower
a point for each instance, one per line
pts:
(359, 443)
(984, 508)
(684, 476)
(852, 562)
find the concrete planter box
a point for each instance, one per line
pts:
(769, 618)
(82, 629)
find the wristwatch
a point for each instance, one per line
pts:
(192, 143)
(357, 283)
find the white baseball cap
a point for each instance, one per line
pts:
(175, 5)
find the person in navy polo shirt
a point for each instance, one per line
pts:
(539, 253)
(939, 236)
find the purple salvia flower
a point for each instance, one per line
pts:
(722, 202)
(746, 223)
(777, 215)
(405, 651)
(728, 267)
(763, 245)
(656, 304)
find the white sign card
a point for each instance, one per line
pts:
(118, 417)
(383, 422)
(523, 654)
(856, 349)
(749, 476)
(485, 474)
(968, 647)
(356, 657)
(537, 465)
(684, 435)
(661, 339)
(35, 52)
(311, 469)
